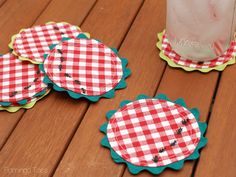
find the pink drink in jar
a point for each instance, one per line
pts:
(200, 30)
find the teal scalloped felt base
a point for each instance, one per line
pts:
(155, 170)
(24, 101)
(109, 94)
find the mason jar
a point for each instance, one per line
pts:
(200, 30)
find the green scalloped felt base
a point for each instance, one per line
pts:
(109, 94)
(13, 109)
(174, 65)
(28, 59)
(155, 170)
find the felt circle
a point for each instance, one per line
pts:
(84, 66)
(33, 43)
(19, 81)
(153, 132)
(177, 59)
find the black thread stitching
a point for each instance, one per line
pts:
(55, 28)
(36, 79)
(77, 82)
(179, 131)
(162, 150)
(173, 143)
(59, 51)
(13, 94)
(83, 90)
(155, 159)
(60, 67)
(27, 87)
(67, 75)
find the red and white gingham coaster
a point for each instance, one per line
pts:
(19, 80)
(84, 66)
(177, 59)
(153, 132)
(32, 43)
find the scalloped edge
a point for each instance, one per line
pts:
(13, 37)
(13, 109)
(171, 63)
(133, 169)
(110, 94)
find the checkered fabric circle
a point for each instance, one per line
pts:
(84, 66)
(33, 43)
(19, 80)
(153, 132)
(177, 59)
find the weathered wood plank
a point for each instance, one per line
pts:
(219, 158)
(70, 11)
(85, 156)
(43, 133)
(13, 17)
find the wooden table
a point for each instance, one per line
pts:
(60, 137)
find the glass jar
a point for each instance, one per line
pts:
(200, 30)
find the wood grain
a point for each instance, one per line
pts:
(70, 11)
(2, 2)
(13, 17)
(219, 158)
(51, 137)
(43, 133)
(85, 156)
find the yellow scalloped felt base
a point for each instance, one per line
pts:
(13, 109)
(28, 59)
(171, 63)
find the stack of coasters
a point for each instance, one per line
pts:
(62, 56)
(153, 134)
(85, 68)
(175, 60)
(21, 83)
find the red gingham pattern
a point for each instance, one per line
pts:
(33, 43)
(139, 132)
(19, 80)
(177, 59)
(84, 66)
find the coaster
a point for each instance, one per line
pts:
(85, 68)
(175, 60)
(153, 134)
(30, 104)
(32, 43)
(19, 81)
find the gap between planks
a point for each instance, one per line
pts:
(84, 111)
